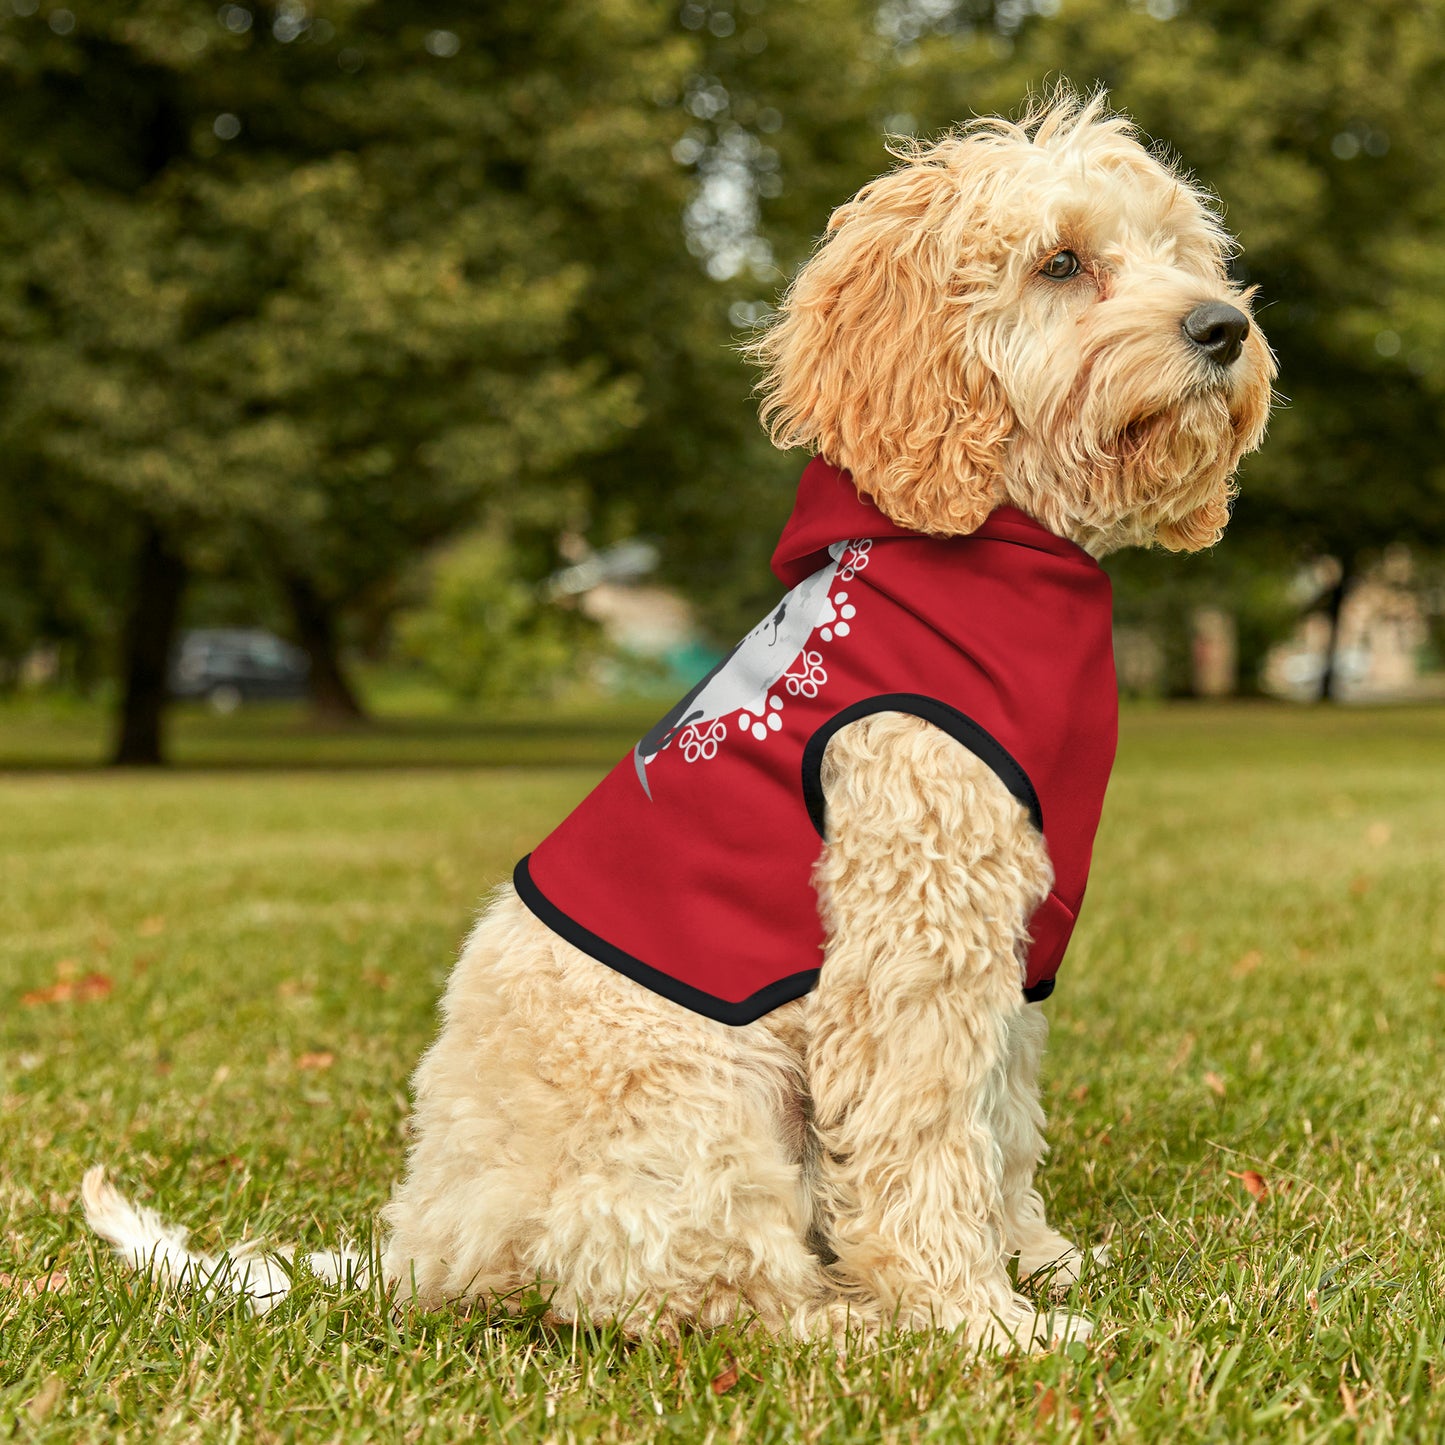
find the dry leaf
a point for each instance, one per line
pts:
(1080, 1094)
(46, 1398)
(56, 993)
(151, 927)
(82, 990)
(1214, 1083)
(1181, 1054)
(724, 1382)
(1247, 965)
(1254, 1183)
(1347, 1399)
(1046, 1408)
(321, 1059)
(1440, 980)
(56, 1282)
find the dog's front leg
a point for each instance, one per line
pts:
(929, 876)
(1019, 1127)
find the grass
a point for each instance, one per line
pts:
(231, 971)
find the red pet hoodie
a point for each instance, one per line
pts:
(689, 867)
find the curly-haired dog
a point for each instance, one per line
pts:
(1017, 351)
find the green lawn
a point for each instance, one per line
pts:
(1258, 984)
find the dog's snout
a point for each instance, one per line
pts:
(1218, 330)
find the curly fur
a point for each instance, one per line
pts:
(865, 1155)
(921, 349)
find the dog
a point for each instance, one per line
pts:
(699, 1064)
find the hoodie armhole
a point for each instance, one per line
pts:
(978, 740)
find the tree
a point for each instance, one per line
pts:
(304, 281)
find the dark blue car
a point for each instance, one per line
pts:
(230, 665)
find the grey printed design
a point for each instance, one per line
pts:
(739, 689)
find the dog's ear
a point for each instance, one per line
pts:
(872, 360)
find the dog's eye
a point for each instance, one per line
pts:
(1060, 266)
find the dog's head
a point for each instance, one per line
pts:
(1036, 313)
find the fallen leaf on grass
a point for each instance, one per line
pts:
(56, 1282)
(321, 1059)
(1045, 1408)
(1254, 1182)
(1440, 980)
(724, 1382)
(65, 990)
(46, 1398)
(1181, 1054)
(1214, 1083)
(1080, 1094)
(1247, 965)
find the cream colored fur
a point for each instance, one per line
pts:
(866, 1155)
(641, 1162)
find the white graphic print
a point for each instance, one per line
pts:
(808, 677)
(856, 559)
(697, 742)
(776, 652)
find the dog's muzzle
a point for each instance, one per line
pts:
(1218, 330)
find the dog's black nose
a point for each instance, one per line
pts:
(1217, 330)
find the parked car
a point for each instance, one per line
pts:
(230, 665)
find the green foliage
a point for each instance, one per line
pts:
(313, 290)
(484, 633)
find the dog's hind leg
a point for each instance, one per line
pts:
(577, 1135)
(927, 882)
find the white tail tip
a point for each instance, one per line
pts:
(147, 1243)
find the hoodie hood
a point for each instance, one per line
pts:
(829, 509)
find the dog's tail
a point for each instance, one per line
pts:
(147, 1243)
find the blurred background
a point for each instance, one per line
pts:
(362, 361)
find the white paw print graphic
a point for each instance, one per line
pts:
(768, 721)
(855, 559)
(701, 742)
(809, 677)
(843, 611)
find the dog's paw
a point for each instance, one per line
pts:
(1057, 1267)
(1023, 1326)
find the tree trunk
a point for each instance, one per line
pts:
(333, 699)
(1329, 675)
(150, 630)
